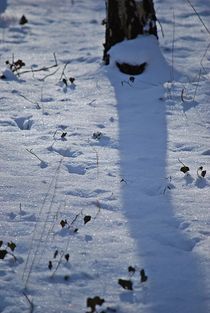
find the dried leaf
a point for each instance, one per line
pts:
(65, 82)
(67, 256)
(87, 219)
(50, 266)
(126, 284)
(3, 253)
(23, 20)
(143, 276)
(55, 254)
(63, 223)
(184, 169)
(92, 302)
(63, 135)
(11, 245)
(203, 173)
(131, 269)
(72, 79)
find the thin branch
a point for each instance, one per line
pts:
(198, 15)
(36, 103)
(30, 302)
(161, 27)
(63, 72)
(44, 68)
(204, 55)
(197, 85)
(30, 151)
(51, 74)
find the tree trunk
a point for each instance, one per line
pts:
(126, 19)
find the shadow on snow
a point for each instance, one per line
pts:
(173, 270)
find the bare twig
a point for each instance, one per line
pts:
(204, 55)
(30, 302)
(182, 94)
(33, 253)
(44, 68)
(51, 74)
(161, 27)
(197, 85)
(36, 103)
(33, 153)
(63, 72)
(97, 204)
(198, 15)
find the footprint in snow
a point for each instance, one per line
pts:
(76, 169)
(7, 122)
(206, 152)
(65, 152)
(24, 123)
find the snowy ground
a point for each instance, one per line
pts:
(103, 155)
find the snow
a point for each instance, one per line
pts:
(102, 156)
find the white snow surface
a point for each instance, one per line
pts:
(105, 149)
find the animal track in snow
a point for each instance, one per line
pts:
(206, 152)
(65, 152)
(7, 122)
(83, 193)
(24, 123)
(76, 169)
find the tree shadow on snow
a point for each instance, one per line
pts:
(174, 274)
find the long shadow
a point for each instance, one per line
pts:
(174, 275)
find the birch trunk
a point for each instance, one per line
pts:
(126, 19)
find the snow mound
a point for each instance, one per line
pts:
(144, 48)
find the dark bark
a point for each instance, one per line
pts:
(126, 19)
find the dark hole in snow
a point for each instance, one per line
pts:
(24, 123)
(131, 69)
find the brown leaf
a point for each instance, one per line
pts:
(11, 245)
(126, 284)
(92, 302)
(184, 169)
(3, 253)
(87, 219)
(50, 266)
(143, 276)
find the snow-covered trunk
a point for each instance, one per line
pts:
(126, 19)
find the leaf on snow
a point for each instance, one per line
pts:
(87, 219)
(143, 276)
(50, 266)
(11, 245)
(63, 223)
(55, 254)
(1, 243)
(63, 135)
(184, 169)
(3, 253)
(92, 302)
(67, 256)
(203, 173)
(126, 284)
(131, 270)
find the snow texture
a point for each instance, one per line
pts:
(92, 162)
